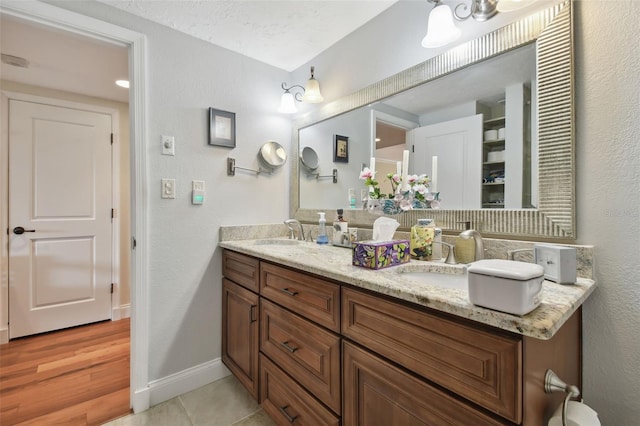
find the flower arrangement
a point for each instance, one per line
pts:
(418, 185)
(417, 195)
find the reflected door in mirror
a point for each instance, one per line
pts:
(458, 146)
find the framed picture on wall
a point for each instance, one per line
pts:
(341, 149)
(222, 128)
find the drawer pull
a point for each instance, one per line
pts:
(283, 410)
(252, 311)
(288, 347)
(289, 292)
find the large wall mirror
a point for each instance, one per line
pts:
(508, 96)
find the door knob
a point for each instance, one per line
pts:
(19, 230)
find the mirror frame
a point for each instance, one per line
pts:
(554, 219)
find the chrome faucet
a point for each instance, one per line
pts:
(295, 229)
(477, 238)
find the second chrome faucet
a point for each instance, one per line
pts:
(296, 231)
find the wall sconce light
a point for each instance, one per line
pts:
(440, 27)
(311, 94)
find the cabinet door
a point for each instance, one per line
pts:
(240, 334)
(287, 402)
(376, 393)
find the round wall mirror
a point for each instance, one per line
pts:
(309, 158)
(272, 155)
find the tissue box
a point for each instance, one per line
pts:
(380, 254)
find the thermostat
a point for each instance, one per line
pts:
(197, 192)
(559, 262)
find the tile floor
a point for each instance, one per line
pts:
(221, 403)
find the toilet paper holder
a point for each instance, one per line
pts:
(553, 383)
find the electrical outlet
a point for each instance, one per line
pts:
(168, 188)
(168, 145)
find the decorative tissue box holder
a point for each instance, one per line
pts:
(380, 254)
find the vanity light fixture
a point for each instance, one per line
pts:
(311, 95)
(440, 27)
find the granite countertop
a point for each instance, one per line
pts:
(559, 302)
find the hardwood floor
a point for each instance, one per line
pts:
(78, 376)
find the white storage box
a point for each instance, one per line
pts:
(505, 285)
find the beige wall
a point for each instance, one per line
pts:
(124, 192)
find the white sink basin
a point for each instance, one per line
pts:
(437, 279)
(277, 242)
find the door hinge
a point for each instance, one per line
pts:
(413, 148)
(133, 243)
(111, 138)
(112, 288)
(113, 214)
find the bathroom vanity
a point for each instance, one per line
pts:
(318, 341)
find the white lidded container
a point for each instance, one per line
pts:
(505, 285)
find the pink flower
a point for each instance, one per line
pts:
(420, 189)
(366, 174)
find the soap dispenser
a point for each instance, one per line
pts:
(322, 230)
(465, 249)
(341, 231)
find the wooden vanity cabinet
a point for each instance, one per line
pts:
(240, 319)
(332, 354)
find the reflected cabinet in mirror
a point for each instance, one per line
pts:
(495, 115)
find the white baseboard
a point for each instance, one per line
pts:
(4, 335)
(184, 381)
(120, 312)
(140, 400)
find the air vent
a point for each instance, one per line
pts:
(16, 61)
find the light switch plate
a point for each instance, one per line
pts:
(559, 262)
(168, 188)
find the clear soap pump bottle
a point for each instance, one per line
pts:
(322, 230)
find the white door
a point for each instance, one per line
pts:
(60, 194)
(458, 146)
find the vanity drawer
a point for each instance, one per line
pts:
(287, 402)
(376, 393)
(311, 297)
(310, 354)
(241, 269)
(482, 367)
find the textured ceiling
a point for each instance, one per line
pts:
(285, 34)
